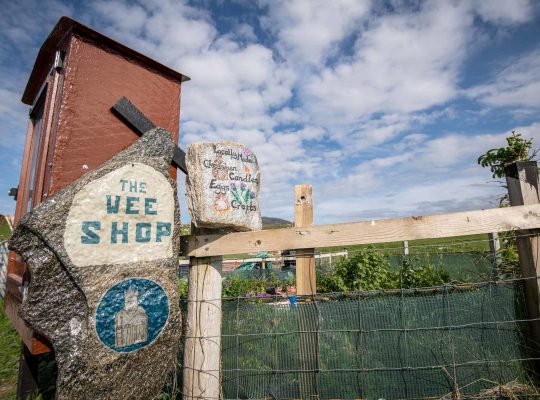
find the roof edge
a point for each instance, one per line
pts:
(66, 26)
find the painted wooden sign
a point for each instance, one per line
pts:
(223, 186)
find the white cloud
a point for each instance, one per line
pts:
(405, 63)
(310, 30)
(504, 11)
(516, 85)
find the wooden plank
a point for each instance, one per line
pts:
(377, 231)
(136, 120)
(305, 260)
(522, 184)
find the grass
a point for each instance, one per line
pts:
(10, 347)
(5, 232)
(470, 243)
(458, 244)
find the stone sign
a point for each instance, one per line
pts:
(102, 254)
(222, 186)
(122, 217)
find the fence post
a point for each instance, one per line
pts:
(522, 184)
(202, 349)
(495, 247)
(305, 258)
(308, 318)
(405, 247)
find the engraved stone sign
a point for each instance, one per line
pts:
(223, 185)
(102, 254)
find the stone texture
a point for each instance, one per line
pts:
(222, 186)
(112, 315)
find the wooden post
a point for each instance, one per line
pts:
(522, 183)
(495, 247)
(27, 383)
(405, 247)
(202, 351)
(308, 318)
(305, 259)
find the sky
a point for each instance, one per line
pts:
(383, 106)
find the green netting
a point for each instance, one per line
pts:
(469, 266)
(395, 344)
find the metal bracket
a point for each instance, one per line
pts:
(13, 192)
(137, 121)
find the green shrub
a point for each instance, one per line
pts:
(417, 274)
(183, 288)
(368, 269)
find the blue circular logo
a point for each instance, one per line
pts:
(131, 314)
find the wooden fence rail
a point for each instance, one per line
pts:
(376, 231)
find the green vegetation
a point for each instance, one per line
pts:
(9, 356)
(5, 232)
(368, 269)
(468, 243)
(518, 149)
(242, 286)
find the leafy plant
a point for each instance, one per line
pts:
(416, 274)
(518, 149)
(366, 269)
(183, 288)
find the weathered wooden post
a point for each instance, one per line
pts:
(202, 349)
(305, 258)
(222, 186)
(308, 318)
(495, 247)
(522, 183)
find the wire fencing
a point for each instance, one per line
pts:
(412, 344)
(455, 340)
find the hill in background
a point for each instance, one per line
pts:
(273, 223)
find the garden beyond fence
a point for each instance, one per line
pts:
(456, 340)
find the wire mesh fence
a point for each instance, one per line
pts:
(412, 344)
(466, 338)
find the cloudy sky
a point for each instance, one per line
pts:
(384, 106)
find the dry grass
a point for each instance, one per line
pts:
(509, 391)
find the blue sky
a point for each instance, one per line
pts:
(382, 106)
